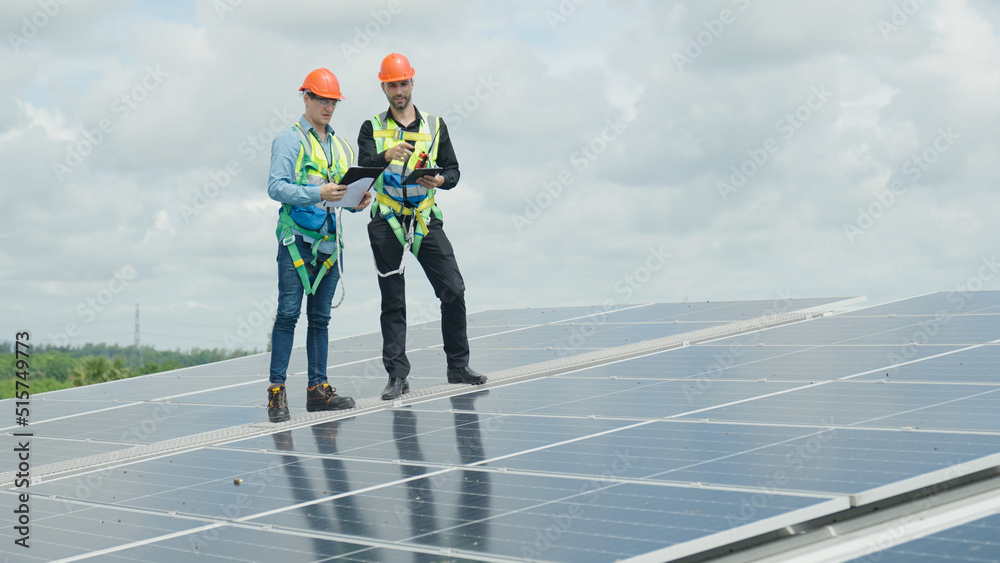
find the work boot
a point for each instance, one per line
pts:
(465, 375)
(277, 404)
(322, 397)
(396, 387)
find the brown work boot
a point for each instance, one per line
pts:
(277, 404)
(322, 397)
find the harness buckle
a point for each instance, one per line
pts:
(397, 134)
(289, 240)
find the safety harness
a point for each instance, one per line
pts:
(313, 168)
(392, 198)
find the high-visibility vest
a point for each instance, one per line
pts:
(312, 168)
(390, 193)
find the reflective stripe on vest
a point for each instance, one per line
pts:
(312, 168)
(387, 134)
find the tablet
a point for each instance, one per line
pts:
(420, 172)
(356, 173)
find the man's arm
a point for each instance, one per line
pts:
(368, 154)
(281, 185)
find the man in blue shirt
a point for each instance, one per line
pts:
(306, 161)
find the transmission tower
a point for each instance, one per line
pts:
(137, 349)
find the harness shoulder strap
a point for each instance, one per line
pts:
(341, 150)
(378, 125)
(434, 126)
(306, 145)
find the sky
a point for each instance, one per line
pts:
(611, 153)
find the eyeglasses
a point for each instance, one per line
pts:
(324, 101)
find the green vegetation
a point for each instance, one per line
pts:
(55, 368)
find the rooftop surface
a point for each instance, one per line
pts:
(794, 429)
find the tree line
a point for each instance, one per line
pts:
(59, 367)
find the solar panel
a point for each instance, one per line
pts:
(670, 430)
(976, 541)
(717, 361)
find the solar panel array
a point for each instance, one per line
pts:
(654, 457)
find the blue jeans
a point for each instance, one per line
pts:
(290, 293)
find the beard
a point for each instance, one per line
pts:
(398, 103)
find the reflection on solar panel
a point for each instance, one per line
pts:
(977, 541)
(743, 430)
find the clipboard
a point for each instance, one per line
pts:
(356, 173)
(420, 172)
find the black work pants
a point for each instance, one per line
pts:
(437, 258)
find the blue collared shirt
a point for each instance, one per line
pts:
(281, 185)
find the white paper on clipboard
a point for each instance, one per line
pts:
(355, 192)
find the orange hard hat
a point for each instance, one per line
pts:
(395, 67)
(323, 83)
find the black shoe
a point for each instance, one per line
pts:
(277, 404)
(322, 397)
(465, 375)
(396, 387)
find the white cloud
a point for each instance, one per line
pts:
(531, 102)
